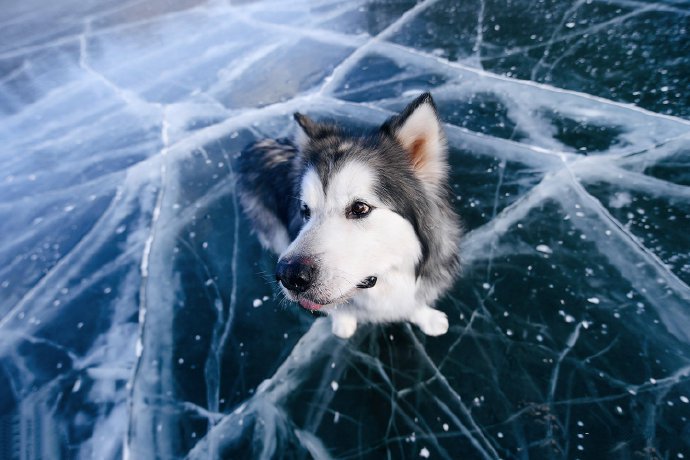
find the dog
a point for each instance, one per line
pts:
(362, 223)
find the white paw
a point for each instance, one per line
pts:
(344, 325)
(431, 322)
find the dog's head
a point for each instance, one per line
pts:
(364, 202)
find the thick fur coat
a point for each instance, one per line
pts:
(362, 223)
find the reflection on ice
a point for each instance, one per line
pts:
(137, 312)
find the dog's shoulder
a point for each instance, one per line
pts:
(266, 181)
(266, 155)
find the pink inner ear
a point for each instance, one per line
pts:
(418, 153)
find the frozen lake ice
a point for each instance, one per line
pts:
(137, 313)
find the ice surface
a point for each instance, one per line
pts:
(137, 312)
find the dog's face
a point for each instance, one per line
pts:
(361, 201)
(349, 239)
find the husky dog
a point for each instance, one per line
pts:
(363, 224)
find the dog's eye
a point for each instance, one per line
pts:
(305, 211)
(358, 209)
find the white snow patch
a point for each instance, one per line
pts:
(544, 249)
(619, 200)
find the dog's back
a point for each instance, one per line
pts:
(266, 189)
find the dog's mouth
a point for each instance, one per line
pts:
(308, 304)
(368, 282)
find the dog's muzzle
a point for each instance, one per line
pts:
(368, 282)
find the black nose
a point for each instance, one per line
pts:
(295, 274)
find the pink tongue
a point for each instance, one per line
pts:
(309, 305)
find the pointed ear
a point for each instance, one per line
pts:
(419, 131)
(308, 129)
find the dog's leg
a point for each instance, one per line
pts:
(431, 322)
(344, 324)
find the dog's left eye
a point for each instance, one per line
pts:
(305, 211)
(358, 209)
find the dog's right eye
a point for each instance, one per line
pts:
(305, 211)
(358, 210)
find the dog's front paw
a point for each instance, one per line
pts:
(344, 325)
(431, 322)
